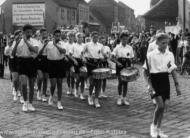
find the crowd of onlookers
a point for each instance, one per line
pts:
(179, 43)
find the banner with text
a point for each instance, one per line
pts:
(33, 14)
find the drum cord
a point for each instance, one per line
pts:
(91, 64)
(99, 62)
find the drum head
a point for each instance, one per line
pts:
(129, 71)
(113, 71)
(101, 70)
(83, 69)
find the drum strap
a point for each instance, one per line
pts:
(13, 54)
(148, 69)
(41, 51)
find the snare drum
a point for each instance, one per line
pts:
(101, 73)
(113, 74)
(83, 72)
(129, 74)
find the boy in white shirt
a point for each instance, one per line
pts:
(13, 65)
(122, 55)
(42, 66)
(93, 54)
(27, 51)
(69, 46)
(77, 53)
(160, 64)
(106, 56)
(55, 54)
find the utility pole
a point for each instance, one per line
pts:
(184, 15)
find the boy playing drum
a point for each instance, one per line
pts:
(122, 56)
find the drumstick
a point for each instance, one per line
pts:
(90, 64)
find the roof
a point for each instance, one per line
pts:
(93, 19)
(67, 3)
(163, 9)
(83, 2)
(123, 5)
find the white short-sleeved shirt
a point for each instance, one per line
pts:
(23, 50)
(106, 51)
(93, 50)
(8, 50)
(69, 47)
(52, 51)
(41, 45)
(77, 50)
(158, 62)
(152, 46)
(121, 51)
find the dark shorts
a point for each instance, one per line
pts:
(104, 63)
(27, 66)
(161, 85)
(56, 68)
(13, 64)
(68, 64)
(80, 64)
(42, 63)
(92, 64)
(125, 62)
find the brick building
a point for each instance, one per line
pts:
(109, 11)
(126, 16)
(55, 13)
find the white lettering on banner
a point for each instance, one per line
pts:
(33, 14)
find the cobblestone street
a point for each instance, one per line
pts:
(78, 120)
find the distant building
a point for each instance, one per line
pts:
(48, 13)
(187, 14)
(162, 13)
(109, 11)
(140, 24)
(127, 17)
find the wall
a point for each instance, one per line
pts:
(83, 13)
(127, 17)
(52, 15)
(103, 10)
(67, 16)
(159, 23)
(180, 19)
(7, 7)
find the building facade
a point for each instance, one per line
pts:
(162, 13)
(109, 11)
(140, 24)
(127, 17)
(51, 14)
(181, 14)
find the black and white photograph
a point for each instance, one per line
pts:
(94, 68)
